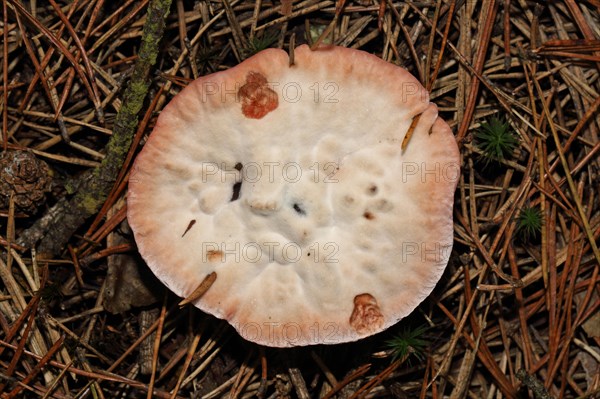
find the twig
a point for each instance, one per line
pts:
(539, 392)
(94, 187)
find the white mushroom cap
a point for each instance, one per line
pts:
(336, 233)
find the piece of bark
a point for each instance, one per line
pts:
(146, 319)
(129, 283)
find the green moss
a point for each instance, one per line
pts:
(496, 140)
(90, 204)
(409, 343)
(260, 42)
(134, 96)
(70, 187)
(529, 223)
(102, 178)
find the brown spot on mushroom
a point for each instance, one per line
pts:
(214, 256)
(372, 190)
(256, 96)
(368, 215)
(384, 205)
(348, 199)
(366, 316)
(192, 222)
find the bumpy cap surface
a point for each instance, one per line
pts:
(289, 183)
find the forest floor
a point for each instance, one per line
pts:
(517, 312)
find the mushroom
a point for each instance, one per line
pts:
(279, 198)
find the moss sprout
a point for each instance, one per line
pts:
(496, 140)
(261, 42)
(408, 344)
(529, 223)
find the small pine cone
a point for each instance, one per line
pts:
(27, 177)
